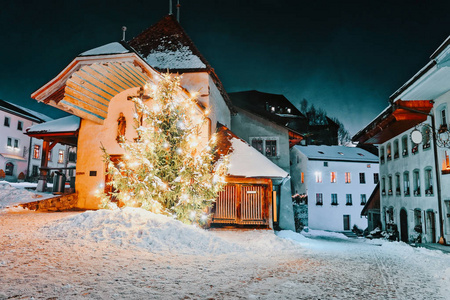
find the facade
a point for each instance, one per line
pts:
(337, 181)
(20, 153)
(96, 87)
(413, 138)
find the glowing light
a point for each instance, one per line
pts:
(179, 151)
(192, 215)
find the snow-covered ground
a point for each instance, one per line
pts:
(133, 254)
(12, 194)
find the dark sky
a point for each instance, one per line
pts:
(346, 57)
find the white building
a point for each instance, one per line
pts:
(20, 153)
(338, 180)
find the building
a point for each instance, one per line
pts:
(337, 181)
(96, 87)
(20, 153)
(413, 138)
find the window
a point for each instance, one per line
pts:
(443, 118)
(267, 146)
(16, 144)
(418, 218)
(73, 154)
(35, 171)
(302, 177)
(363, 199)
(416, 182)
(9, 169)
(428, 182)
(383, 186)
(271, 148)
(7, 122)
(397, 184)
(20, 125)
(362, 177)
(50, 155)
(319, 199)
(9, 142)
(426, 137)
(406, 190)
(325, 164)
(60, 156)
(348, 199)
(36, 151)
(390, 185)
(396, 152)
(376, 178)
(318, 177)
(348, 178)
(405, 145)
(334, 200)
(333, 177)
(388, 152)
(382, 155)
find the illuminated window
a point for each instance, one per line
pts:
(348, 199)
(334, 199)
(302, 177)
(362, 177)
(318, 177)
(388, 152)
(50, 155)
(363, 199)
(36, 151)
(319, 199)
(348, 178)
(271, 148)
(60, 156)
(333, 177)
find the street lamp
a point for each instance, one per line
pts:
(444, 141)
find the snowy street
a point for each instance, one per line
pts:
(42, 258)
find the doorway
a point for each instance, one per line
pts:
(346, 222)
(431, 236)
(404, 226)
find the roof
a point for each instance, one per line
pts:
(431, 81)
(337, 153)
(394, 120)
(111, 48)
(273, 107)
(245, 160)
(23, 112)
(166, 46)
(373, 202)
(66, 124)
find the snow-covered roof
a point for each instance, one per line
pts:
(181, 58)
(25, 112)
(66, 124)
(337, 153)
(248, 162)
(111, 48)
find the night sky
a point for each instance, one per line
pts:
(347, 57)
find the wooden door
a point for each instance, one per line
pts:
(346, 222)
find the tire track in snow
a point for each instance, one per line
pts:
(391, 290)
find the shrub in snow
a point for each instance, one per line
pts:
(2, 174)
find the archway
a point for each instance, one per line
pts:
(404, 226)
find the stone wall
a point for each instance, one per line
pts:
(300, 216)
(57, 203)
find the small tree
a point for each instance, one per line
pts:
(21, 176)
(165, 169)
(2, 174)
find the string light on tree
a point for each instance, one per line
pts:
(167, 169)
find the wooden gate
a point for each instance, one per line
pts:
(244, 204)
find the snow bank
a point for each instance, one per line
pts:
(138, 227)
(12, 196)
(323, 234)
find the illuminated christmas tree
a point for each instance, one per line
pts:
(167, 169)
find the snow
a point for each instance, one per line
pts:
(337, 153)
(15, 194)
(34, 113)
(180, 58)
(111, 48)
(249, 162)
(66, 124)
(39, 261)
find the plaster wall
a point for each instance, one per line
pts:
(298, 163)
(246, 125)
(422, 159)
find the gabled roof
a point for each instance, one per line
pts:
(63, 130)
(273, 107)
(166, 46)
(337, 153)
(111, 48)
(373, 202)
(23, 112)
(245, 161)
